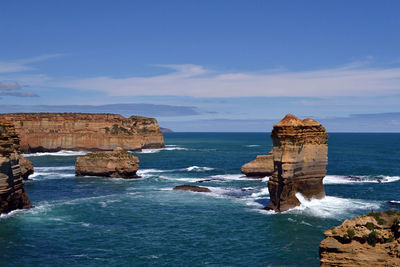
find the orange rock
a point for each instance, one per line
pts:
(77, 131)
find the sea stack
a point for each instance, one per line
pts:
(41, 132)
(262, 166)
(12, 193)
(368, 240)
(300, 156)
(118, 163)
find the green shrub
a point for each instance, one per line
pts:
(350, 233)
(390, 212)
(373, 238)
(370, 226)
(381, 221)
(390, 239)
(376, 215)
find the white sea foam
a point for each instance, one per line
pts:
(339, 179)
(232, 177)
(331, 207)
(157, 150)
(59, 153)
(198, 169)
(253, 145)
(58, 168)
(262, 192)
(49, 175)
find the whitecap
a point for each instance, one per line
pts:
(232, 177)
(340, 179)
(262, 192)
(157, 150)
(59, 153)
(57, 168)
(198, 169)
(331, 207)
(253, 145)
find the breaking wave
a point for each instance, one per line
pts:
(339, 179)
(62, 153)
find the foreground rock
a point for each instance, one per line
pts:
(300, 155)
(193, 188)
(26, 167)
(12, 193)
(41, 132)
(369, 240)
(116, 164)
(262, 166)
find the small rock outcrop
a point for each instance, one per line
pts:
(26, 167)
(368, 240)
(262, 166)
(118, 163)
(12, 193)
(41, 132)
(192, 188)
(300, 155)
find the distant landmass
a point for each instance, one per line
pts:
(166, 130)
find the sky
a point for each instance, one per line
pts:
(206, 65)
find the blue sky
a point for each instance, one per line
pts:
(237, 62)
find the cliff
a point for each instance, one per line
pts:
(300, 156)
(12, 193)
(77, 131)
(262, 166)
(118, 163)
(368, 240)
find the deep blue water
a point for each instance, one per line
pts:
(103, 222)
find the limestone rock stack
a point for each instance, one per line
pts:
(368, 240)
(12, 193)
(300, 155)
(115, 164)
(262, 166)
(76, 131)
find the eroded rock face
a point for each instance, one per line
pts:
(368, 240)
(26, 167)
(300, 155)
(12, 193)
(116, 164)
(40, 132)
(262, 166)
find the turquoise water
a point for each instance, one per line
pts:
(103, 222)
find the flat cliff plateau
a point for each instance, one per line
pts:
(40, 132)
(12, 193)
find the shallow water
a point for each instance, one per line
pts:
(101, 222)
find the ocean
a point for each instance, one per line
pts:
(143, 222)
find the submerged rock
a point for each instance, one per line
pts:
(193, 188)
(300, 155)
(262, 166)
(368, 240)
(116, 164)
(26, 167)
(12, 192)
(40, 132)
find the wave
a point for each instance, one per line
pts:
(232, 177)
(339, 179)
(57, 168)
(62, 153)
(198, 169)
(332, 207)
(157, 150)
(253, 145)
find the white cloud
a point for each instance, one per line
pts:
(192, 80)
(23, 64)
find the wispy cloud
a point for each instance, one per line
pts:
(9, 85)
(354, 79)
(21, 65)
(19, 94)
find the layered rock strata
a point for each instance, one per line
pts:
(26, 167)
(300, 155)
(262, 166)
(368, 240)
(76, 131)
(115, 164)
(12, 193)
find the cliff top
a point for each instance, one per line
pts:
(292, 120)
(71, 114)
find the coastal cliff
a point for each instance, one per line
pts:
(300, 155)
(262, 166)
(41, 132)
(12, 193)
(368, 240)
